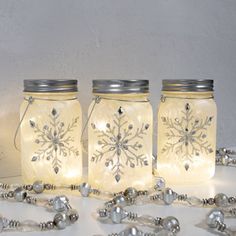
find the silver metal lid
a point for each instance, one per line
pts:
(120, 86)
(188, 85)
(47, 86)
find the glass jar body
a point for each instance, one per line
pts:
(120, 142)
(186, 137)
(50, 138)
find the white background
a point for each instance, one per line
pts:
(108, 39)
(125, 39)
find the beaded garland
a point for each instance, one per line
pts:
(113, 210)
(117, 215)
(159, 194)
(65, 214)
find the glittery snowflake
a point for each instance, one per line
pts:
(120, 145)
(54, 140)
(187, 136)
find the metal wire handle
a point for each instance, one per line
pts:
(30, 101)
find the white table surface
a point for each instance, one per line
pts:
(189, 217)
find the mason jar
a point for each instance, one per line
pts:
(186, 131)
(120, 135)
(50, 132)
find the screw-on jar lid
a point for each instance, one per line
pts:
(120, 86)
(48, 86)
(188, 85)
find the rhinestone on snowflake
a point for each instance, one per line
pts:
(187, 136)
(119, 145)
(54, 140)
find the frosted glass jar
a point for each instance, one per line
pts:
(50, 132)
(187, 131)
(120, 135)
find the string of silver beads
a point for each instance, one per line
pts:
(118, 214)
(168, 197)
(130, 195)
(39, 187)
(65, 215)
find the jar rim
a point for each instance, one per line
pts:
(120, 86)
(48, 86)
(188, 85)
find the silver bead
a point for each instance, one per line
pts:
(226, 160)
(60, 203)
(1, 224)
(160, 184)
(61, 220)
(73, 215)
(85, 189)
(120, 200)
(171, 224)
(38, 186)
(213, 217)
(132, 231)
(169, 196)
(103, 213)
(117, 214)
(232, 200)
(222, 151)
(20, 194)
(221, 200)
(50, 225)
(10, 194)
(131, 193)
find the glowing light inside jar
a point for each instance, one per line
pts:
(120, 142)
(186, 136)
(50, 137)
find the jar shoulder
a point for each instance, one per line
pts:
(42, 106)
(176, 103)
(113, 104)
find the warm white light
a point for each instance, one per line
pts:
(50, 139)
(186, 137)
(120, 143)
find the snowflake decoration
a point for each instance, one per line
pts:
(54, 140)
(187, 136)
(119, 145)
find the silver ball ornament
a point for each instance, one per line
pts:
(60, 203)
(38, 186)
(61, 220)
(169, 196)
(120, 200)
(213, 217)
(19, 194)
(117, 214)
(171, 224)
(131, 192)
(221, 200)
(85, 189)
